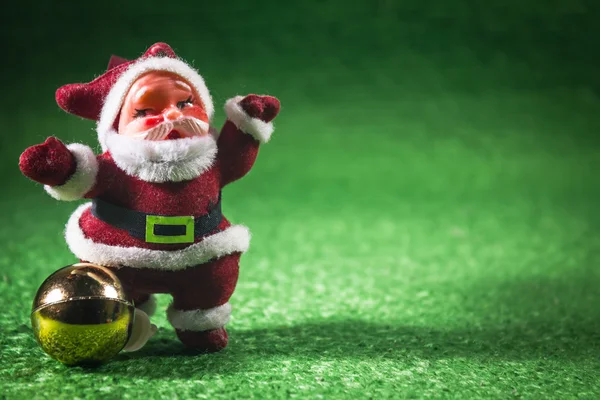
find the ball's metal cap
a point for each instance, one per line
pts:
(81, 281)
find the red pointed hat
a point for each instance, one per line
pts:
(101, 99)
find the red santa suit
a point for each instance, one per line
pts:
(171, 182)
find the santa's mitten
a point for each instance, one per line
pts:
(264, 108)
(50, 163)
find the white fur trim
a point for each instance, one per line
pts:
(259, 130)
(82, 180)
(164, 160)
(199, 320)
(234, 239)
(149, 306)
(116, 96)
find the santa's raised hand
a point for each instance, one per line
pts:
(50, 163)
(264, 108)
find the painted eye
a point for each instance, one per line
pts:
(181, 105)
(141, 113)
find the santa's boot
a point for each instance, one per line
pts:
(205, 342)
(201, 329)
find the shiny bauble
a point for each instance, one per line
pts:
(82, 315)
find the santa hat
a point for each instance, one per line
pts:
(101, 99)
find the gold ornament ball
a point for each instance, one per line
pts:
(82, 315)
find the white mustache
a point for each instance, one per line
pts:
(187, 127)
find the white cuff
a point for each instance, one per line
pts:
(258, 129)
(82, 180)
(199, 320)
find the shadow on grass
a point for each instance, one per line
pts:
(552, 320)
(360, 341)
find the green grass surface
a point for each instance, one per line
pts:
(425, 222)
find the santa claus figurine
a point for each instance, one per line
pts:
(155, 212)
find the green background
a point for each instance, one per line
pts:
(425, 219)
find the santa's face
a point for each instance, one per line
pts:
(162, 106)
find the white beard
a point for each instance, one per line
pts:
(165, 160)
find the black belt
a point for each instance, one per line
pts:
(158, 228)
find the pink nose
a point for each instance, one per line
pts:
(172, 114)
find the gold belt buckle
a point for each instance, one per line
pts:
(187, 221)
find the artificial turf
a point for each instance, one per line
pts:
(425, 219)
